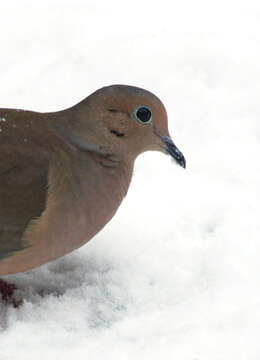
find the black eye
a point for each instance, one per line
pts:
(143, 114)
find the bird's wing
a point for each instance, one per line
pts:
(23, 184)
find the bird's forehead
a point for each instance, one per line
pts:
(126, 98)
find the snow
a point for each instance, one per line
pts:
(175, 274)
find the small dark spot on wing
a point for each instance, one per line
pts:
(6, 172)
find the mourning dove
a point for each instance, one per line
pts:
(64, 174)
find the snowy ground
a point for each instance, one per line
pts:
(175, 274)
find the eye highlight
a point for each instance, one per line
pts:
(143, 115)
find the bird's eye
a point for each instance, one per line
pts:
(143, 114)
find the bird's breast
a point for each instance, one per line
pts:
(83, 196)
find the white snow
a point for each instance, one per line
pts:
(175, 274)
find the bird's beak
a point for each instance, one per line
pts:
(170, 148)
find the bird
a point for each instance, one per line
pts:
(64, 174)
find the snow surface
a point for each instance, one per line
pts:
(175, 274)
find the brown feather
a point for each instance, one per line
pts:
(64, 174)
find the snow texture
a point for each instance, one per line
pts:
(175, 274)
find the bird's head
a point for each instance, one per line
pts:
(122, 120)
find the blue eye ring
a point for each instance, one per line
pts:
(143, 114)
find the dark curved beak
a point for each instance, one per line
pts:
(172, 149)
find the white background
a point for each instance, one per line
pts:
(175, 274)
